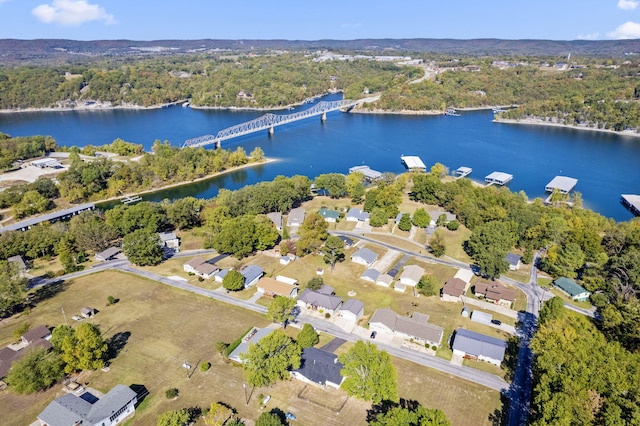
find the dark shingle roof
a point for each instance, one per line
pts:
(319, 366)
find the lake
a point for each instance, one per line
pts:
(605, 164)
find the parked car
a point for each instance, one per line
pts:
(290, 416)
(373, 335)
(496, 322)
(266, 400)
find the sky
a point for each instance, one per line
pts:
(315, 20)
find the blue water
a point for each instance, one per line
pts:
(606, 165)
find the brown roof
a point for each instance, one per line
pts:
(495, 291)
(202, 266)
(272, 286)
(7, 356)
(454, 287)
(39, 332)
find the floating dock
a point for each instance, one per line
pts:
(413, 163)
(562, 184)
(451, 112)
(499, 178)
(632, 202)
(462, 172)
(369, 173)
(130, 199)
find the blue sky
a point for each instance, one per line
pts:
(313, 20)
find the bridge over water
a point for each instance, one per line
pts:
(270, 121)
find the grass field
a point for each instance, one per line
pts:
(166, 327)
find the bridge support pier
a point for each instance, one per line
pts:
(271, 131)
(323, 117)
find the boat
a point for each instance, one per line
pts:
(451, 112)
(497, 110)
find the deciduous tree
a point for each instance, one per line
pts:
(270, 359)
(12, 286)
(281, 309)
(421, 218)
(233, 281)
(142, 247)
(333, 250)
(36, 371)
(308, 336)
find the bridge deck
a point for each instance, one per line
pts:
(269, 121)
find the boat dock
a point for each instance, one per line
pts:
(499, 178)
(130, 199)
(562, 184)
(413, 163)
(451, 112)
(632, 202)
(462, 172)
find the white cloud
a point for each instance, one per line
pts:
(626, 31)
(627, 4)
(350, 26)
(591, 36)
(72, 12)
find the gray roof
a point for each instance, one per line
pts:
(251, 273)
(315, 298)
(19, 260)
(276, 218)
(326, 289)
(52, 217)
(481, 317)
(358, 214)
(632, 201)
(254, 338)
(319, 366)
(477, 344)
(367, 255)
(70, 409)
(346, 240)
(563, 184)
(498, 177)
(370, 274)
(296, 217)
(513, 259)
(353, 305)
(167, 236)
(415, 326)
(109, 253)
(39, 332)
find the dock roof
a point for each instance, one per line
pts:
(498, 177)
(413, 162)
(25, 224)
(563, 184)
(633, 202)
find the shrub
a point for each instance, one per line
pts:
(112, 300)
(205, 366)
(434, 347)
(453, 225)
(327, 315)
(172, 393)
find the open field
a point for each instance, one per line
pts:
(165, 327)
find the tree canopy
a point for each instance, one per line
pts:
(82, 348)
(369, 373)
(36, 371)
(281, 309)
(270, 359)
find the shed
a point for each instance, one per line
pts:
(87, 312)
(465, 312)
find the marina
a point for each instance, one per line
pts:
(498, 178)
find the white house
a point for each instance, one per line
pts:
(200, 267)
(296, 217)
(415, 328)
(251, 274)
(352, 309)
(384, 280)
(364, 256)
(469, 344)
(370, 275)
(357, 215)
(514, 261)
(170, 241)
(411, 275)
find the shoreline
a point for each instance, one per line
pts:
(178, 184)
(540, 122)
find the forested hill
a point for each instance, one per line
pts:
(14, 51)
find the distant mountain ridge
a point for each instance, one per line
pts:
(16, 51)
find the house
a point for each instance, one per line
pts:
(7, 357)
(330, 216)
(276, 218)
(19, 261)
(253, 337)
(470, 344)
(219, 277)
(413, 328)
(481, 317)
(287, 280)
(296, 217)
(169, 241)
(326, 289)
(435, 216)
(370, 275)
(41, 332)
(251, 274)
(465, 275)
(319, 367)
(384, 280)
(108, 254)
(271, 287)
(87, 312)
(495, 293)
(453, 290)
(574, 290)
(411, 275)
(310, 299)
(352, 309)
(87, 409)
(364, 256)
(514, 261)
(357, 215)
(200, 267)
(348, 242)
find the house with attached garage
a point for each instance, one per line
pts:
(357, 215)
(411, 275)
(169, 241)
(364, 256)
(272, 287)
(472, 345)
(87, 409)
(352, 309)
(296, 217)
(413, 328)
(251, 274)
(317, 301)
(200, 267)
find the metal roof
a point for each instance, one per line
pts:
(365, 254)
(370, 274)
(563, 184)
(498, 177)
(481, 317)
(569, 286)
(413, 162)
(477, 344)
(48, 217)
(633, 201)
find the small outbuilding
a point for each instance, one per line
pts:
(514, 261)
(108, 254)
(87, 312)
